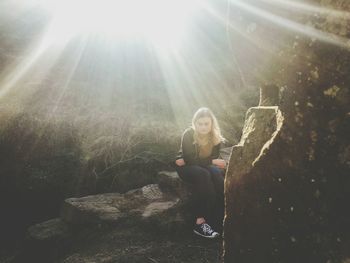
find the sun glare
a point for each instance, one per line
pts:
(159, 21)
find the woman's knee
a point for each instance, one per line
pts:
(191, 169)
(193, 174)
(214, 170)
(201, 174)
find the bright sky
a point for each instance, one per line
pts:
(163, 22)
(166, 26)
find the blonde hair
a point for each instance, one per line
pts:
(215, 135)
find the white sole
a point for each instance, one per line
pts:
(199, 234)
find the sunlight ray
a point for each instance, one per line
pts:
(50, 115)
(231, 26)
(296, 27)
(229, 40)
(309, 8)
(16, 72)
(225, 20)
(73, 68)
(180, 84)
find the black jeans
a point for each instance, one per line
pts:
(207, 186)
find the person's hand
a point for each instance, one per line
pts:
(219, 163)
(180, 162)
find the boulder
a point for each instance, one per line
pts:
(287, 183)
(162, 204)
(158, 206)
(138, 204)
(170, 182)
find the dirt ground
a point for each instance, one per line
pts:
(125, 244)
(136, 244)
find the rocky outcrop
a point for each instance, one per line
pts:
(287, 184)
(158, 205)
(139, 204)
(261, 126)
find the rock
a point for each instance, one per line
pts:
(157, 208)
(151, 206)
(143, 204)
(170, 182)
(261, 125)
(287, 184)
(98, 258)
(225, 153)
(45, 241)
(92, 209)
(151, 192)
(54, 229)
(269, 95)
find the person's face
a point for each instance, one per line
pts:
(203, 125)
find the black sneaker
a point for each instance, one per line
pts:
(205, 230)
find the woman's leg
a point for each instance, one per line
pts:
(203, 189)
(218, 177)
(217, 215)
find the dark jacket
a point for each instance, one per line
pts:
(190, 150)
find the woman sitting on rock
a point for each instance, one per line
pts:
(200, 166)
